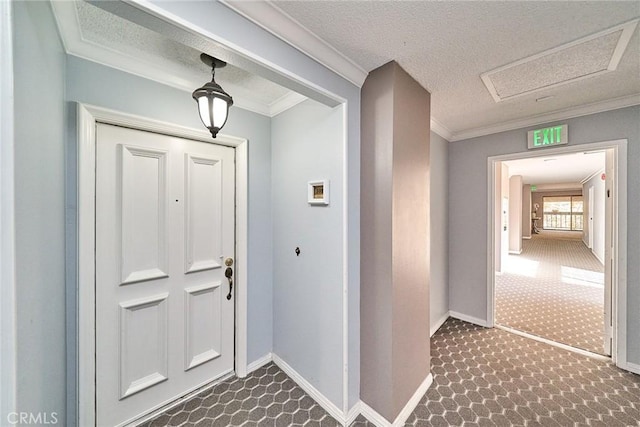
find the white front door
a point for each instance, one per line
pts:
(164, 310)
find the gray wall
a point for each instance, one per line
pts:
(598, 215)
(132, 94)
(230, 27)
(307, 145)
(39, 210)
(439, 238)
(468, 239)
(395, 239)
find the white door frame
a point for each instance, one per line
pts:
(619, 239)
(591, 207)
(8, 345)
(88, 116)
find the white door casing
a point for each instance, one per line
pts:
(616, 227)
(164, 225)
(88, 117)
(609, 254)
(590, 222)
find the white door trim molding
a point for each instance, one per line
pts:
(619, 267)
(7, 208)
(87, 117)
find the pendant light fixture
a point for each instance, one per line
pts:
(213, 101)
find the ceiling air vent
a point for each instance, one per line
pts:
(587, 57)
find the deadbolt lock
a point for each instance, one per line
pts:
(228, 262)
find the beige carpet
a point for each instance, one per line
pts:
(555, 290)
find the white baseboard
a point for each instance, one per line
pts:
(353, 413)
(372, 415)
(413, 402)
(526, 237)
(556, 344)
(515, 252)
(256, 364)
(596, 255)
(470, 319)
(631, 367)
(380, 421)
(315, 394)
(438, 324)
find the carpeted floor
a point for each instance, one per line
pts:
(555, 290)
(483, 377)
(490, 377)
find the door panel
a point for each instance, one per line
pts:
(142, 209)
(165, 210)
(203, 219)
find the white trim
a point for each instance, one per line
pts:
(619, 287)
(242, 256)
(441, 129)
(345, 262)
(353, 413)
(515, 252)
(273, 19)
(565, 114)
(282, 104)
(469, 319)
(8, 346)
(555, 343)
(588, 178)
(627, 28)
(631, 367)
(168, 74)
(373, 416)
(380, 421)
(526, 237)
(414, 401)
(315, 394)
(491, 242)
(438, 324)
(596, 255)
(88, 116)
(259, 363)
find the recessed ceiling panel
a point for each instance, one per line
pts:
(571, 62)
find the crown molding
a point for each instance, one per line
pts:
(569, 113)
(288, 100)
(69, 28)
(276, 21)
(441, 129)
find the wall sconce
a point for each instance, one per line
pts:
(213, 101)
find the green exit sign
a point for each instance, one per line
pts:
(547, 137)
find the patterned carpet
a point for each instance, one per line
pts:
(266, 397)
(555, 290)
(489, 377)
(481, 377)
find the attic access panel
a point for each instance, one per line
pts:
(587, 57)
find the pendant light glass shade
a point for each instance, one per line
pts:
(213, 101)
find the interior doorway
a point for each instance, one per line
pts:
(559, 281)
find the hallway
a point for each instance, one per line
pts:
(481, 376)
(555, 290)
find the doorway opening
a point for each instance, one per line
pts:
(555, 245)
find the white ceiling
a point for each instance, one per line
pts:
(447, 45)
(95, 34)
(569, 169)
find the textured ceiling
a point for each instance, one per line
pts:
(446, 45)
(564, 169)
(112, 32)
